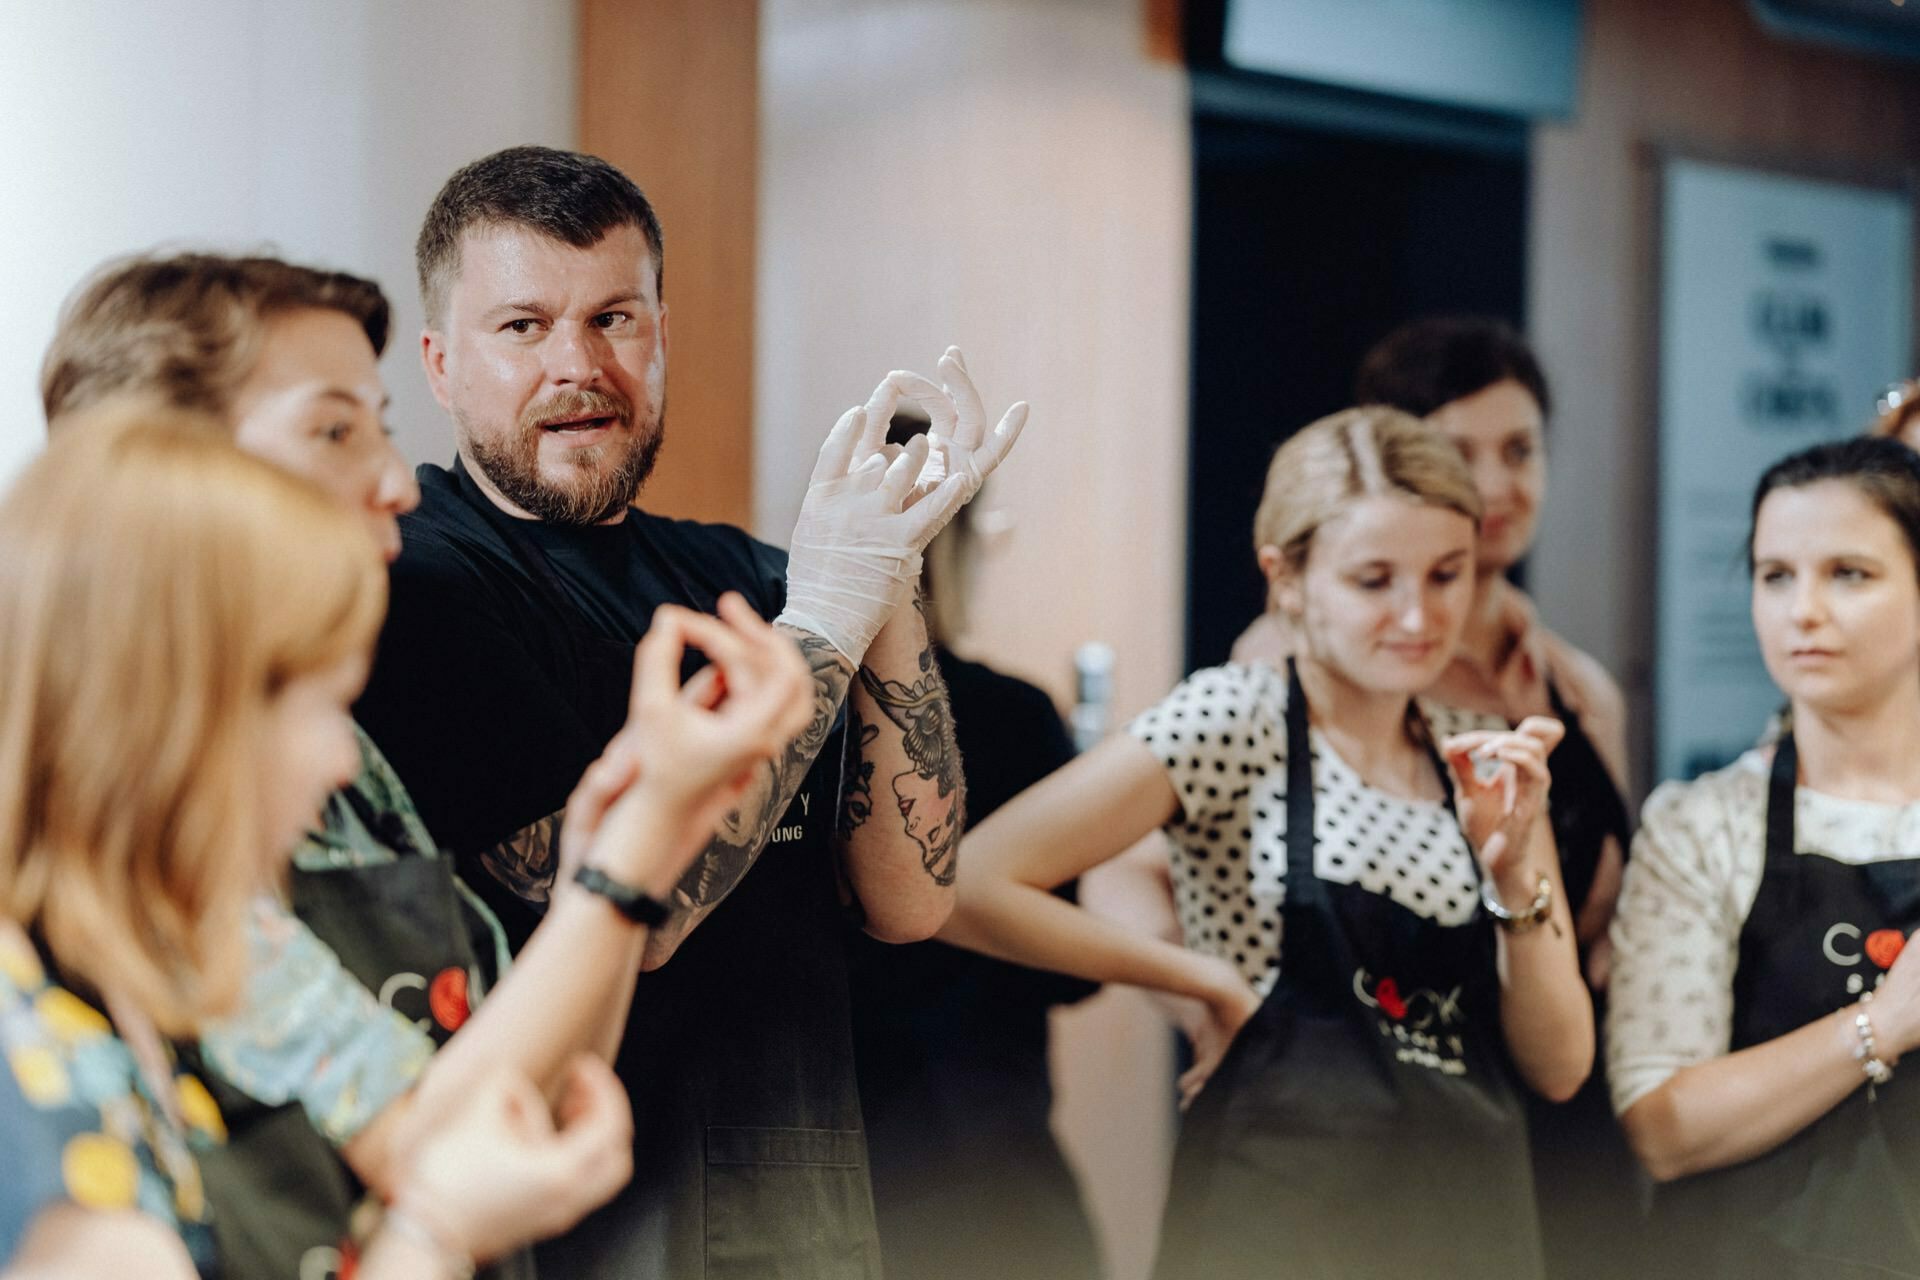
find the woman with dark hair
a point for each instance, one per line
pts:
(1478, 381)
(1763, 996)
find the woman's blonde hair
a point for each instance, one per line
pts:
(1357, 453)
(157, 588)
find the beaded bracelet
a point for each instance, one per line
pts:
(1865, 1051)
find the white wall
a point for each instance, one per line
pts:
(317, 128)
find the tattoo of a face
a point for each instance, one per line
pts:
(525, 861)
(928, 793)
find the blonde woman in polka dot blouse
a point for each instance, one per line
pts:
(1342, 855)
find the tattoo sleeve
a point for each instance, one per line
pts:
(745, 831)
(929, 792)
(526, 860)
(858, 805)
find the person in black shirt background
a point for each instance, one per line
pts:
(524, 581)
(952, 1045)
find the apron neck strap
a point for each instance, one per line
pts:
(1782, 781)
(1300, 873)
(1300, 866)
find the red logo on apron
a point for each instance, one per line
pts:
(447, 998)
(1882, 945)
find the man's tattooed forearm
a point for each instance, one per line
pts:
(526, 860)
(745, 831)
(930, 792)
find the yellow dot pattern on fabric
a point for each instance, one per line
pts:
(198, 1108)
(100, 1172)
(69, 1017)
(42, 1077)
(18, 964)
(189, 1197)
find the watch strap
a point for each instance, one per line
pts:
(634, 903)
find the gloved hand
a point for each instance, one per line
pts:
(870, 509)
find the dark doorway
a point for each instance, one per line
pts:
(1311, 244)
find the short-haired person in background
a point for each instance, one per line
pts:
(526, 576)
(951, 1046)
(285, 359)
(1477, 380)
(1339, 913)
(1762, 995)
(183, 628)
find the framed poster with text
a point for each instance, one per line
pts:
(1785, 308)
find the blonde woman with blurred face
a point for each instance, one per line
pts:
(175, 700)
(1368, 1023)
(1763, 995)
(386, 953)
(184, 630)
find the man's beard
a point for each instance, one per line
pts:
(601, 480)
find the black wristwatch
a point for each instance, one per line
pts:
(636, 905)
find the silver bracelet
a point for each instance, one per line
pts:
(1865, 1051)
(1518, 921)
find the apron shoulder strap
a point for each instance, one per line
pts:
(1782, 782)
(1300, 870)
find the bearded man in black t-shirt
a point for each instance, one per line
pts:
(526, 578)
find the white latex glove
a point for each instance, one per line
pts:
(870, 510)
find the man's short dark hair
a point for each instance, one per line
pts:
(576, 199)
(1421, 366)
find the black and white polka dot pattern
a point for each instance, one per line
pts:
(1222, 738)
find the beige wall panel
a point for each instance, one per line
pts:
(668, 91)
(1012, 177)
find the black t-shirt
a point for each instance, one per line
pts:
(503, 670)
(489, 694)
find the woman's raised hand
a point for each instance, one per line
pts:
(1501, 781)
(690, 749)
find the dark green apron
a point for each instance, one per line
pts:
(281, 1194)
(1840, 1200)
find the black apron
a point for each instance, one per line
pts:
(1585, 807)
(1586, 1179)
(1841, 1198)
(281, 1194)
(750, 1157)
(1364, 1122)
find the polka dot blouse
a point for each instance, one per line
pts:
(1222, 738)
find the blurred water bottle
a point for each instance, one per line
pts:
(1093, 693)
